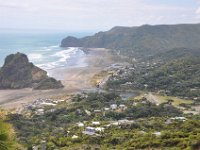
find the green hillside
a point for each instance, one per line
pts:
(175, 71)
(7, 135)
(146, 38)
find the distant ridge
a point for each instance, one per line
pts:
(146, 38)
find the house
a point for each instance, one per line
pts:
(88, 112)
(39, 112)
(179, 118)
(113, 106)
(80, 124)
(106, 109)
(58, 101)
(135, 104)
(96, 123)
(125, 122)
(51, 110)
(141, 132)
(74, 137)
(35, 147)
(93, 131)
(157, 133)
(168, 121)
(43, 145)
(89, 131)
(97, 112)
(78, 112)
(131, 68)
(122, 107)
(48, 104)
(99, 129)
(128, 83)
(115, 123)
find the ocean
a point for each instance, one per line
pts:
(42, 49)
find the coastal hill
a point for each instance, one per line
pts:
(147, 38)
(17, 72)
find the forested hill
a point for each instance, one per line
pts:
(145, 38)
(175, 71)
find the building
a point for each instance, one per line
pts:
(97, 112)
(125, 122)
(99, 129)
(122, 107)
(39, 112)
(96, 123)
(43, 145)
(113, 106)
(157, 133)
(80, 124)
(106, 109)
(74, 137)
(35, 147)
(89, 131)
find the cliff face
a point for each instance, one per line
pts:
(17, 72)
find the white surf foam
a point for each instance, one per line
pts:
(65, 54)
(60, 59)
(35, 56)
(47, 48)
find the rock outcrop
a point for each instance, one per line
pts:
(17, 72)
(48, 83)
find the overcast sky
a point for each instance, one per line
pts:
(94, 15)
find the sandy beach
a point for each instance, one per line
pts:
(75, 80)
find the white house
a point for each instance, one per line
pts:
(40, 111)
(95, 123)
(80, 124)
(74, 137)
(113, 106)
(122, 106)
(89, 131)
(106, 109)
(100, 129)
(157, 133)
(125, 122)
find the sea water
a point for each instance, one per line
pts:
(43, 49)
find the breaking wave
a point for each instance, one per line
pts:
(55, 57)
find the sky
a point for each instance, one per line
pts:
(94, 15)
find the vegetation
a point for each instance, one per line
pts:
(137, 124)
(175, 75)
(141, 41)
(178, 78)
(58, 127)
(97, 78)
(48, 83)
(7, 135)
(142, 135)
(174, 100)
(133, 123)
(144, 111)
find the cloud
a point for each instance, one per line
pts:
(198, 11)
(90, 14)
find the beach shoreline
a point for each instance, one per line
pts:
(75, 79)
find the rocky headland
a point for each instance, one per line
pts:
(17, 73)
